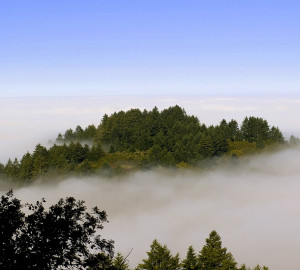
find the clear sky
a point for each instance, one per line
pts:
(149, 47)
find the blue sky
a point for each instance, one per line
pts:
(143, 47)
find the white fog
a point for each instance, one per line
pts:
(253, 204)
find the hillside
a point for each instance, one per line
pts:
(135, 139)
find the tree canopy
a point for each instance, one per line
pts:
(66, 236)
(139, 139)
(62, 237)
(215, 257)
(159, 258)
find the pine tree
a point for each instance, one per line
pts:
(258, 267)
(159, 258)
(244, 267)
(214, 257)
(190, 262)
(120, 262)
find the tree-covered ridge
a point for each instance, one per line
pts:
(139, 139)
(66, 236)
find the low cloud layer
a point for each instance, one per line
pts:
(253, 204)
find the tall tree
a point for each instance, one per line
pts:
(255, 129)
(258, 267)
(159, 258)
(214, 257)
(62, 237)
(190, 262)
(120, 263)
(243, 267)
(12, 222)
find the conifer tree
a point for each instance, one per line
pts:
(159, 258)
(244, 267)
(258, 267)
(120, 262)
(190, 262)
(214, 257)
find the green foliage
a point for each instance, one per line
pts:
(77, 135)
(139, 139)
(66, 237)
(254, 129)
(120, 263)
(213, 256)
(244, 267)
(258, 267)
(190, 262)
(159, 258)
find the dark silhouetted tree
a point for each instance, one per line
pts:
(63, 237)
(11, 225)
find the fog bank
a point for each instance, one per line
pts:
(253, 205)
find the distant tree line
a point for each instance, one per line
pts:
(138, 139)
(66, 236)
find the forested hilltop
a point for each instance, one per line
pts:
(136, 139)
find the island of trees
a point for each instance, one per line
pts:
(135, 139)
(66, 236)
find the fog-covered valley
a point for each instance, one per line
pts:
(253, 203)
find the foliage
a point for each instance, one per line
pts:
(12, 222)
(136, 139)
(59, 238)
(65, 237)
(159, 258)
(120, 263)
(213, 256)
(78, 134)
(190, 262)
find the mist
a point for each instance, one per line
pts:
(252, 203)
(26, 122)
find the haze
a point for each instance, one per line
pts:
(253, 204)
(28, 121)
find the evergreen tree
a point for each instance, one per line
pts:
(26, 166)
(206, 146)
(69, 135)
(120, 263)
(244, 267)
(276, 135)
(214, 257)
(294, 140)
(190, 262)
(159, 258)
(255, 129)
(40, 160)
(258, 267)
